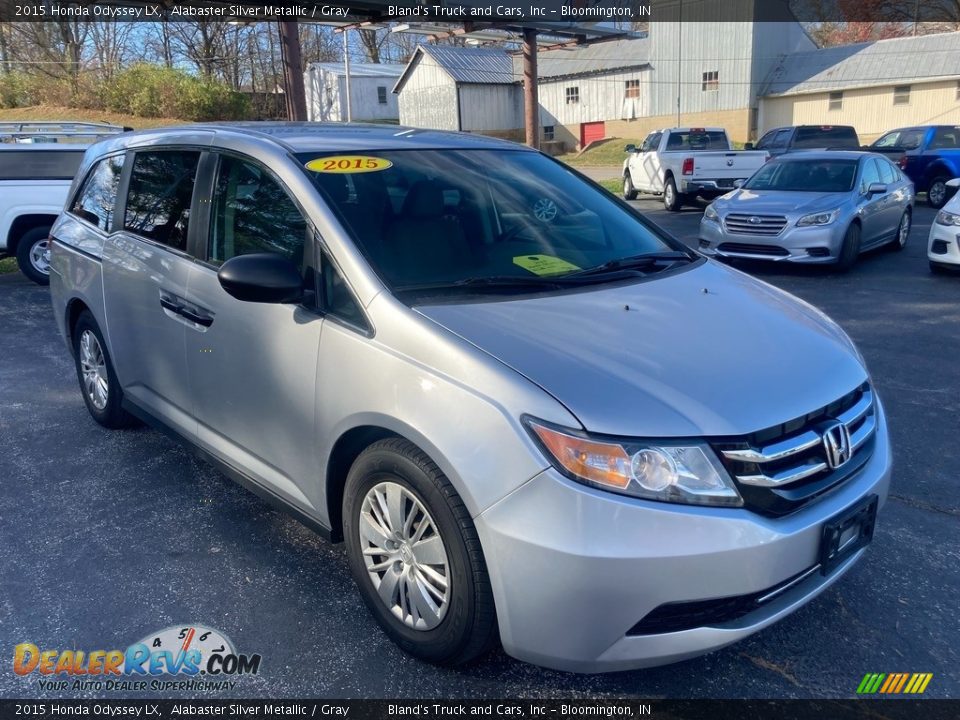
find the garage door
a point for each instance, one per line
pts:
(590, 132)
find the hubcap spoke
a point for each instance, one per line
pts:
(404, 555)
(93, 368)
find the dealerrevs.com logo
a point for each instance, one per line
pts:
(203, 658)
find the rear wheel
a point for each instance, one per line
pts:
(899, 241)
(33, 255)
(937, 192)
(671, 198)
(415, 555)
(629, 191)
(850, 249)
(98, 381)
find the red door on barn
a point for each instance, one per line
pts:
(591, 131)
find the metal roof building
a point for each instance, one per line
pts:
(875, 86)
(371, 99)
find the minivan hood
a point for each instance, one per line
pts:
(780, 202)
(708, 351)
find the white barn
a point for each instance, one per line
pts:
(371, 99)
(468, 89)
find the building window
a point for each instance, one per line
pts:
(901, 95)
(631, 89)
(836, 101)
(573, 95)
(548, 132)
(382, 95)
(711, 81)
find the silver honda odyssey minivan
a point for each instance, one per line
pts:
(532, 416)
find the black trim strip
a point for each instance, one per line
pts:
(236, 475)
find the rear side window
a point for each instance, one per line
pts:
(781, 139)
(946, 138)
(98, 194)
(158, 203)
(253, 214)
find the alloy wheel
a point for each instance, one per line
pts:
(40, 257)
(93, 366)
(405, 555)
(937, 193)
(904, 232)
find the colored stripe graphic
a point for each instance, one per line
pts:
(894, 683)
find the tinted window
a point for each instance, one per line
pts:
(909, 139)
(805, 176)
(945, 138)
(158, 203)
(781, 139)
(253, 214)
(698, 140)
(98, 196)
(825, 137)
(435, 216)
(34, 164)
(337, 299)
(766, 140)
(871, 174)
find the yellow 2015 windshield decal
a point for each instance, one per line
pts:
(544, 264)
(348, 164)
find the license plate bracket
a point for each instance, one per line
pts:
(846, 533)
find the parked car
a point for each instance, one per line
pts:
(35, 174)
(483, 373)
(811, 207)
(808, 137)
(943, 245)
(929, 155)
(683, 163)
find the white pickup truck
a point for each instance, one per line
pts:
(37, 163)
(682, 163)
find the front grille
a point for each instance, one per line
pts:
(679, 616)
(742, 224)
(748, 249)
(783, 468)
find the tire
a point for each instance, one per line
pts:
(899, 241)
(32, 255)
(671, 198)
(850, 249)
(629, 191)
(458, 624)
(98, 381)
(937, 192)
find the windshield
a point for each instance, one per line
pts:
(824, 137)
(805, 176)
(448, 217)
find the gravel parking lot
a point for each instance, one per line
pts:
(108, 536)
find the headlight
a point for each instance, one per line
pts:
(823, 218)
(947, 218)
(710, 213)
(652, 470)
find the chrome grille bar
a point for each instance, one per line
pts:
(768, 225)
(778, 450)
(784, 477)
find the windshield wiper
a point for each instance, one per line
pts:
(634, 262)
(495, 281)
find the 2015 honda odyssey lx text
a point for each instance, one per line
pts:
(531, 415)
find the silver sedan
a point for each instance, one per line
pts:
(816, 207)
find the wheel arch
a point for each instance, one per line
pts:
(71, 314)
(23, 224)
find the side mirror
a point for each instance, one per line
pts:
(630, 148)
(955, 183)
(748, 146)
(738, 183)
(876, 189)
(262, 278)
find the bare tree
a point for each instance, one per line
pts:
(111, 46)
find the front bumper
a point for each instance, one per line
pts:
(943, 244)
(574, 569)
(818, 244)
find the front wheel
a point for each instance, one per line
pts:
(937, 192)
(850, 249)
(899, 241)
(629, 191)
(415, 555)
(33, 255)
(671, 198)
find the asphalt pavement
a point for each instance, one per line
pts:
(107, 537)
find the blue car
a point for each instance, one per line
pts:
(928, 154)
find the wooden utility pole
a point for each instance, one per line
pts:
(293, 89)
(531, 100)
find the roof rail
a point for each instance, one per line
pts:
(50, 131)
